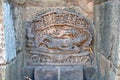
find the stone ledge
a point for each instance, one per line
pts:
(97, 2)
(52, 3)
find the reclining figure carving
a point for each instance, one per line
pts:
(66, 40)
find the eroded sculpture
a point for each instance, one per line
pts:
(59, 38)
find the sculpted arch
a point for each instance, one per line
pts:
(60, 38)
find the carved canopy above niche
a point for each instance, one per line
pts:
(59, 38)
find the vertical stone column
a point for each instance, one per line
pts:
(107, 22)
(14, 39)
(2, 44)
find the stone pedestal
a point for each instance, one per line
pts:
(54, 73)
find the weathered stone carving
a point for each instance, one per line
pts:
(60, 59)
(60, 38)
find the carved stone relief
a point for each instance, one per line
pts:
(59, 38)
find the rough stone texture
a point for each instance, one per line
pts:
(58, 73)
(2, 45)
(107, 70)
(14, 69)
(71, 74)
(2, 42)
(107, 42)
(107, 30)
(28, 73)
(19, 36)
(11, 71)
(89, 73)
(9, 32)
(46, 74)
(20, 33)
(101, 1)
(103, 68)
(20, 63)
(52, 3)
(19, 27)
(41, 5)
(2, 48)
(2, 72)
(39, 9)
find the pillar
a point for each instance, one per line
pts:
(107, 24)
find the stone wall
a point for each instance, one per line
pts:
(15, 40)
(9, 32)
(33, 7)
(23, 12)
(107, 38)
(106, 19)
(2, 45)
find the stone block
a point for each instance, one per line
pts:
(2, 72)
(89, 73)
(58, 73)
(46, 74)
(11, 71)
(104, 68)
(107, 30)
(28, 73)
(71, 74)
